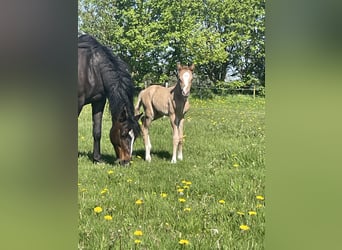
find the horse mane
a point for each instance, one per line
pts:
(116, 79)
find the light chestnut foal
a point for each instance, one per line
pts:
(158, 101)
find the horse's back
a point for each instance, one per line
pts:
(156, 97)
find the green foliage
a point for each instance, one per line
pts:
(153, 35)
(224, 154)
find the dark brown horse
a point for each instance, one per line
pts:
(102, 75)
(158, 101)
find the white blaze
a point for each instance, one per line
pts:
(186, 77)
(131, 134)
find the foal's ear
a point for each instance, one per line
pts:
(179, 66)
(192, 67)
(137, 117)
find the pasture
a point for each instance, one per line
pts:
(213, 199)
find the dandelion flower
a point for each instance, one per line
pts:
(180, 190)
(97, 210)
(108, 217)
(129, 180)
(104, 191)
(259, 197)
(187, 209)
(244, 227)
(137, 242)
(252, 213)
(163, 195)
(138, 233)
(139, 202)
(221, 201)
(235, 165)
(182, 200)
(110, 172)
(240, 213)
(186, 187)
(259, 206)
(184, 242)
(188, 183)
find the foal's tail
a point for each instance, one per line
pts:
(138, 105)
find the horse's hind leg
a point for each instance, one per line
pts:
(97, 112)
(146, 122)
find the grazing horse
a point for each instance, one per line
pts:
(158, 101)
(102, 75)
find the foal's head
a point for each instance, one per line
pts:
(185, 78)
(122, 135)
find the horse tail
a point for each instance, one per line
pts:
(138, 105)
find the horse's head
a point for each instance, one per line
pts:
(185, 78)
(122, 135)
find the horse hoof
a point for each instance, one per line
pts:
(99, 162)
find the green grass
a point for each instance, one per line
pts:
(223, 159)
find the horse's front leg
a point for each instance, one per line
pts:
(97, 112)
(175, 137)
(180, 140)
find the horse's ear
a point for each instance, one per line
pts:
(179, 66)
(137, 117)
(192, 67)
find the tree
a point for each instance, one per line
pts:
(153, 35)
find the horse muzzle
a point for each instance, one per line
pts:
(185, 93)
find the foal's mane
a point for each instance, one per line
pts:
(115, 76)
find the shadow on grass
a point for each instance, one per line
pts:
(162, 154)
(105, 158)
(112, 160)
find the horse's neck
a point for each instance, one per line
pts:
(178, 99)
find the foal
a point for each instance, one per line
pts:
(158, 101)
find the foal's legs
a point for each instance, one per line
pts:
(97, 112)
(146, 122)
(175, 137)
(180, 142)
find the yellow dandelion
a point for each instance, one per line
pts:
(163, 195)
(137, 242)
(108, 217)
(240, 213)
(180, 190)
(235, 165)
(129, 180)
(187, 209)
(138, 233)
(110, 172)
(104, 191)
(221, 201)
(78, 184)
(186, 187)
(259, 206)
(252, 213)
(188, 183)
(259, 197)
(182, 200)
(97, 210)
(184, 242)
(184, 181)
(244, 227)
(139, 202)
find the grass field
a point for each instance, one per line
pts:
(213, 199)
